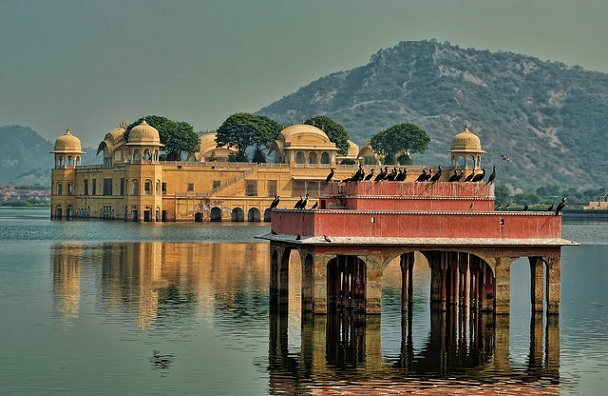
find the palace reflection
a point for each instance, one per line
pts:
(154, 282)
(473, 350)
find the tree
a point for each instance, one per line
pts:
(400, 139)
(243, 130)
(334, 131)
(178, 137)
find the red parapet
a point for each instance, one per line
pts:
(392, 224)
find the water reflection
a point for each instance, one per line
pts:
(169, 287)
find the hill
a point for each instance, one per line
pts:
(24, 154)
(549, 118)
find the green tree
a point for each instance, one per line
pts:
(177, 136)
(502, 194)
(400, 139)
(244, 130)
(334, 131)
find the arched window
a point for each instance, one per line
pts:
(148, 187)
(300, 159)
(157, 189)
(325, 159)
(313, 159)
(59, 189)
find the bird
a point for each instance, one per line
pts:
(472, 205)
(550, 208)
(275, 202)
(498, 206)
(525, 207)
(330, 176)
(560, 206)
(382, 174)
(492, 175)
(422, 177)
(507, 206)
(298, 237)
(273, 232)
(470, 176)
(401, 175)
(299, 203)
(326, 238)
(479, 177)
(304, 203)
(315, 205)
(506, 157)
(369, 175)
(453, 177)
(391, 176)
(437, 175)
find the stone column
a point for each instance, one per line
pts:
(536, 283)
(503, 285)
(407, 264)
(552, 284)
(373, 285)
(535, 358)
(284, 279)
(275, 254)
(315, 272)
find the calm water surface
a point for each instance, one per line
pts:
(86, 305)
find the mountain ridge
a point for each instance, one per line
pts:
(533, 111)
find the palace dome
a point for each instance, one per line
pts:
(144, 134)
(67, 143)
(466, 142)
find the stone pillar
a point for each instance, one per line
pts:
(503, 285)
(407, 283)
(552, 345)
(275, 254)
(536, 283)
(284, 279)
(552, 284)
(373, 285)
(319, 283)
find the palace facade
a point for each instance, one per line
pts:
(132, 183)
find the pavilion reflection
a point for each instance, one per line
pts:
(345, 347)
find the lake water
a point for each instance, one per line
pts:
(123, 308)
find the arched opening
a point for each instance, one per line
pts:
(313, 159)
(346, 283)
(253, 215)
(267, 215)
(238, 215)
(198, 217)
(300, 158)
(216, 214)
(325, 159)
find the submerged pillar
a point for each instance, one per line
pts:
(552, 284)
(503, 285)
(536, 283)
(407, 282)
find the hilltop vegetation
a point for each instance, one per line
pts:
(549, 118)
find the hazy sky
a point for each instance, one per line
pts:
(88, 65)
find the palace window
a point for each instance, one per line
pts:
(122, 186)
(251, 188)
(135, 187)
(107, 186)
(59, 189)
(272, 188)
(148, 187)
(86, 186)
(190, 186)
(94, 187)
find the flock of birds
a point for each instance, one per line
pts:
(400, 175)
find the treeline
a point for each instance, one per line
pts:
(548, 195)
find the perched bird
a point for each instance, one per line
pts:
(507, 206)
(304, 203)
(454, 176)
(423, 176)
(525, 207)
(298, 237)
(330, 176)
(391, 176)
(560, 207)
(382, 174)
(505, 157)
(275, 202)
(498, 206)
(472, 205)
(479, 177)
(315, 205)
(460, 176)
(273, 232)
(470, 176)
(550, 208)
(326, 238)
(369, 175)
(437, 175)
(299, 203)
(401, 175)
(492, 175)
